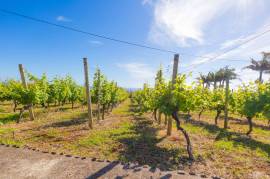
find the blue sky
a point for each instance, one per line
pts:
(194, 28)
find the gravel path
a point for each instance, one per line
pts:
(25, 163)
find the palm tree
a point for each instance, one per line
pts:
(211, 76)
(229, 73)
(262, 66)
(203, 79)
(222, 74)
(220, 77)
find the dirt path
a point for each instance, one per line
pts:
(25, 163)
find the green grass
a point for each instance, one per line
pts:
(196, 129)
(103, 143)
(260, 131)
(8, 118)
(6, 130)
(124, 135)
(229, 141)
(228, 146)
(123, 109)
(8, 136)
(10, 141)
(108, 136)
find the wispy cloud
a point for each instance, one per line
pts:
(138, 71)
(96, 42)
(233, 42)
(150, 2)
(247, 75)
(63, 19)
(185, 22)
(252, 49)
(215, 27)
(241, 48)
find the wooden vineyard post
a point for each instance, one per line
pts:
(175, 68)
(159, 117)
(226, 104)
(98, 100)
(169, 127)
(88, 95)
(174, 75)
(31, 112)
(166, 120)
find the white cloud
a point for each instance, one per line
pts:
(63, 19)
(233, 42)
(138, 71)
(245, 47)
(96, 42)
(144, 2)
(252, 49)
(184, 22)
(245, 76)
(200, 60)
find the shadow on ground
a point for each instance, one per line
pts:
(143, 148)
(72, 122)
(102, 171)
(237, 138)
(245, 122)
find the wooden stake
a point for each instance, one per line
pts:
(175, 68)
(166, 120)
(98, 101)
(31, 112)
(226, 104)
(169, 127)
(159, 117)
(174, 75)
(88, 94)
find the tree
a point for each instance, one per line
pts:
(261, 66)
(171, 100)
(19, 95)
(12, 87)
(96, 91)
(229, 73)
(159, 82)
(202, 98)
(75, 94)
(4, 92)
(248, 102)
(42, 87)
(204, 80)
(211, 78)
(217, 102)
(264, 99)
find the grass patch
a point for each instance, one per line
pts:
(123, 109)
(228, 146)
(193, 129)
(262, 132)
(6, 130)
(8, 136)
(108, 136)
(8, 118)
